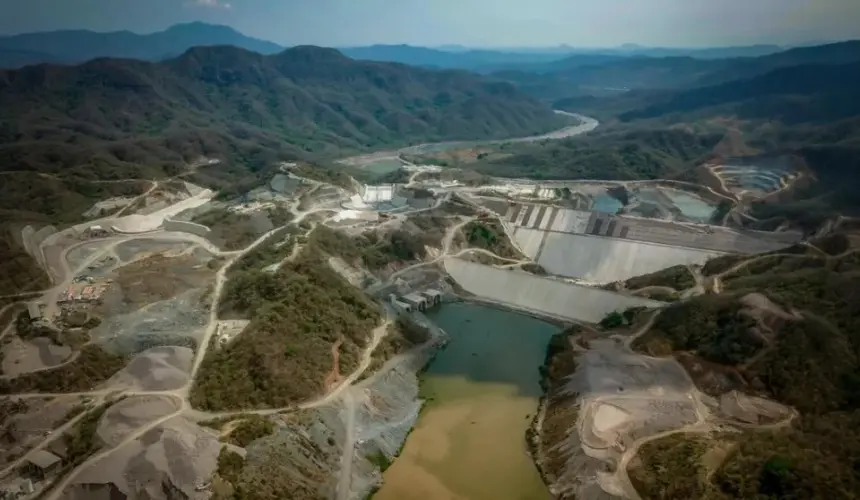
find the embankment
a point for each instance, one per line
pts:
(386, 407)
(543, 296)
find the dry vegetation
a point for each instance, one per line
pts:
(809, 360)
(402, 335)
(283, 355)
(160, 277)
(489, 235)
(92, 367)
(249, 429)
(561, 410)
(676, 277)
(373, 250)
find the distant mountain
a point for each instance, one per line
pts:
(698, 53)
(536, 59)
(675, 72)
(107, 115)
(484, 60)
(75, 46)
(14, 58)
(796, 94)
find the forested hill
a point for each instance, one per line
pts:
(785, 326)
(228, 102)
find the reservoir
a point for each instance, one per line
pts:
(482, 392)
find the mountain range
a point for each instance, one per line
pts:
(76, 46)
(110, 118)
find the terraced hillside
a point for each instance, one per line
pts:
(781, 326)
(748, 388)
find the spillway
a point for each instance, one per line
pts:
(544, 296)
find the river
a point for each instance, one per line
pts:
(586, 124)
(482, 391)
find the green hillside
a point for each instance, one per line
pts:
(803, 351)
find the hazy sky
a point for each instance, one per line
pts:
(467, 22)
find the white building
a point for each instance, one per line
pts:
(377, 194)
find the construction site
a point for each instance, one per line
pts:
(139, 299)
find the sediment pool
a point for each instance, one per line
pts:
(482, 392)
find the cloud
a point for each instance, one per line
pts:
(214, 4)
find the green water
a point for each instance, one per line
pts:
(482, 392)
(383, 166)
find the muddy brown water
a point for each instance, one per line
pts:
(481, 391)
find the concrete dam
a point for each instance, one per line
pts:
(543, 296)
(601, 248)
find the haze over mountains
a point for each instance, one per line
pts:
(218, 161)
(75, 46)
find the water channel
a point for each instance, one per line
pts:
(482, 392)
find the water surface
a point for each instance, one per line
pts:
(607, 203)
(691, 206)
(482, 392)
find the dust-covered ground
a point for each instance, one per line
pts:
(23, 356)
(81, 254)
(175, 456)
(157, 369)
(130, 414)
(604, 401)
(132, 250)
(161, 299)
(24, 423)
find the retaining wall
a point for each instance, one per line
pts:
(186, 227)
(555, 298)
(604, 260)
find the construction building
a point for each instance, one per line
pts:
(96, 232)
(434, 296)
(420, 301)
(416, 300)
(34, 309)
(377, 194)
(42, 463)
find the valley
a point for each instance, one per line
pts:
(234, 271)
(185, 320)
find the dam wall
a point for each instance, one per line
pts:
(604, 260)
(700, 236)
(544, 296)
(186, 227)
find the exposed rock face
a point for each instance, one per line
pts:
(322, 450)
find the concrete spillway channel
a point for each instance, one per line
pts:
(543, 296)
(601, 248)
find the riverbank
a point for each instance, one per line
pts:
(559, 362)
(480, 395)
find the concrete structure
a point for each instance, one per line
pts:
(357, 215)
(545, 193)
(41, 463)
(186, 227)
(417, 301)
(713, 238)
(603, 260)
(377, 194)
(544, 296)
(96, 232)
(34, 310)
(398, 304)
(433, 295)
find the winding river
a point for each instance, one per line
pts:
(586, 124)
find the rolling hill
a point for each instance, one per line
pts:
(62, 127)
(76, 46)
(213, 100)
(796, 94)
(743, 339)
(575, 76)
